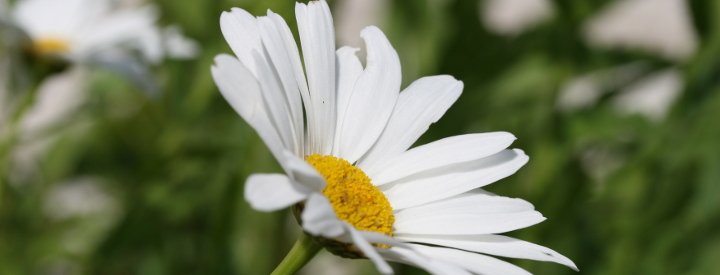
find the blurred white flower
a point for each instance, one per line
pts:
(663, 27)
(88, 206)
(585, 90)
(355, 15)
(512, 17)
(177, 45)
(78, 197)
(652, 96)
(56, 99)
(79, 30)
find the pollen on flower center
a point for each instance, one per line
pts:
(353, 196)
(50, 46)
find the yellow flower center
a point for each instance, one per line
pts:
(51, 46)
(353, 196)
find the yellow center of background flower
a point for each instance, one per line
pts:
(51, 46)
(353, 196)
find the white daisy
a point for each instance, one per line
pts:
(79, 30)
(342, 133)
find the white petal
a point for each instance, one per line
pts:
(411, 257)
(651, 96)
(270, 192)
(475, 213)
(133, 27)
(317, 37)
(369, 251)
(473, 262)
(476, 202)
(494, 244)
(374, 237)
(177, 45)
(285, 63)
(242, 91)
(277, 103)
(348, 69)
(453, 180)
(241, 32)
(302, 172)
(373, 98)
(664, 27)
(318, 218)
(419, 105)
(440, 153)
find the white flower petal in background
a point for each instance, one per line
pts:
(79, 30)
(512, 17)
(78, 197)
(56, 99)
(177, 45)
(585, 90)
(86, 204)
(355, 15)
(662, 27)
(651, 96)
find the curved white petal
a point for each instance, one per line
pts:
(452, 180)
(465, 223)
(276, 102)
(369, 251)
(493, 244)
(285, 65)
(242, 91)
(241, 32)
(373, 98)
(302, 172)
(473, 262)
(419, 105)
(470, 213)
(473, 202)
(270, 192)
(374, 237)
(348, 69)
(317, 37)
(411, 257)
(440, 153)
(318, 218)
(134, 27)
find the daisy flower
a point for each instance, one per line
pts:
(342, 132)
(83, 30)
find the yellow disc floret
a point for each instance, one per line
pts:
(353, 196)
(51, 46)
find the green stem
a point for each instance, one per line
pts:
(301, 253)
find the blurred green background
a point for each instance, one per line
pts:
(138, 184)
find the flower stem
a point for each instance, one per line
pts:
(301, 253)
